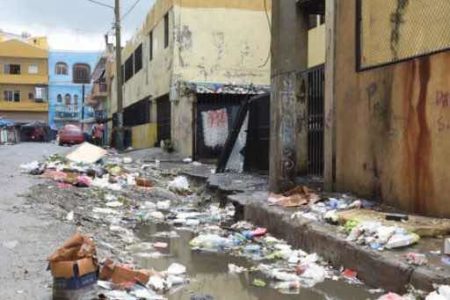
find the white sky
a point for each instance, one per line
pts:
(70, 24)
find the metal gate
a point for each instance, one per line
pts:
(215, 115)
(258, 134)
(315, 85)
(163, 116)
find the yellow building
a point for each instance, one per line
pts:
(190, 59)
(24, 79)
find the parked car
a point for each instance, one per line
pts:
(70, 134)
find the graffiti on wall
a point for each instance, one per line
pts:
(443, 102)
(215, 127)
(288, 125)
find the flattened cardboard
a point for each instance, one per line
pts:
(123, 274)
(87, 153)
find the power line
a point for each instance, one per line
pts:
(101, 4)
(130, 9)
(269, 23)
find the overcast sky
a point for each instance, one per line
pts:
(70, 24)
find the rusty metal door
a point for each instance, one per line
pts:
(315, 83)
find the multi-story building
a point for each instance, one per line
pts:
(101, 86)
(189, 67)
(69, 86)
(378, 116)
(23, 78)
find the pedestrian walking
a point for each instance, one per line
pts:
(97, 133)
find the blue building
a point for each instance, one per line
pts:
(69, 85)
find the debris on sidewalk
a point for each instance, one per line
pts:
(298, 196)
(87, 154)
(417, 259)
(179, 185)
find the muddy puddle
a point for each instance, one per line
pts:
(208, 272)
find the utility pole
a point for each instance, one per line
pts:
(119, 129)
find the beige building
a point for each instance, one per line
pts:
(190, 66)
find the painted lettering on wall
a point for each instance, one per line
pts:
(442, 99)
(443, 124)
(215, 127)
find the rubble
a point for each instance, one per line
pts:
(120, 196)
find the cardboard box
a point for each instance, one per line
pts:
(69, 269)
(74, 264)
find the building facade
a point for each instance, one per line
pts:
(24, 79)
(70, 84)
(385, 100)
(189, 68)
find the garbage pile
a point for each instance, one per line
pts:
(441, 293)
(371, 233)
(286, 268)
(378, 236)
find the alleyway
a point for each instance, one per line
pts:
(33, 226)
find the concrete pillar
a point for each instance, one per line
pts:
(289, 57)
(330, 106)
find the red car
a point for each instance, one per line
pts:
(70, 134)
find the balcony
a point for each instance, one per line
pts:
(100, 90)
(25, 106)
(67, 113)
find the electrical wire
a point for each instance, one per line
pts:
(269, 23)
(130, 9)
(101, 3)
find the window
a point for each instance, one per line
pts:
(150, 46)
(11, 69)
(75, 99)
(67, 99)
(11, 96)
(33, 69)
(128, 68)
(8, 95)
(59, 98)
(81, 73)
(61, 68)
(30, 96)
(138, 59)
(166, 30)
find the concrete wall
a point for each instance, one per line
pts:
(223, 45)
(392, 126)
(182, 123)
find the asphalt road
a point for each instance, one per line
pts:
(26, 237)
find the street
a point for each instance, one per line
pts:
(34, 225)
(26, 235)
